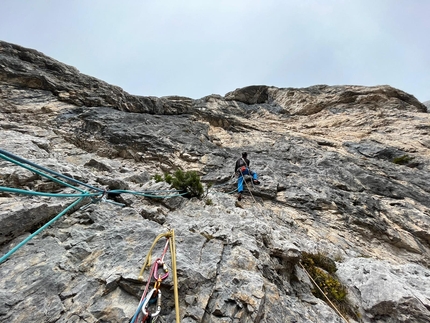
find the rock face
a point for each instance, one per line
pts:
(345, 172)
(427, 104)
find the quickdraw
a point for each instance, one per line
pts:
(166, 271)
(143, 314)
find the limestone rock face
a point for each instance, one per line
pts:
(344, 171)
(317, 98)
(427, 104)
(28, 68)
(398, 297)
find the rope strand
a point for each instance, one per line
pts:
(59, 215)
(21, 161)
(175, 276)
(332, 305)
(246, 184)
(170, 235)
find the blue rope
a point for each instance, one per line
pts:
(139, 308)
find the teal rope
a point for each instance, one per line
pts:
(59, 215)
(155, 191)
(29, 192)
(146, 194)
(85, 194)
(16, 159)
(40, 173)
(232, 191)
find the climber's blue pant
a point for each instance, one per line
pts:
(241, 179)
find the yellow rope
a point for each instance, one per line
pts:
(175, 277)
(332, 305)
(147, 263)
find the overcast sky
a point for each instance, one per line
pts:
(195, 48)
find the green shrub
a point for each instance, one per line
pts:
(331, 287)
(185, 182)
(402, 160)
(319, 260)
(322, 270)
(158, 178)
(168, 178)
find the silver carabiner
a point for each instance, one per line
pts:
(147, 298)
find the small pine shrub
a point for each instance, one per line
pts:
(168, 178)
(186, 182)
(209, 201)
(158, 178)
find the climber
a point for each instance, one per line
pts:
(242, 168)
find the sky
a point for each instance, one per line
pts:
(195, 48)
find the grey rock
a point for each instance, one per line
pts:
(19, 218)
(388, 292)
(23, 67)
(98, 165)
(324, 155)
(139, 178)
(427, 104)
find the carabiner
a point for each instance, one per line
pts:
(157, 284)
(147, 298)
(166, 271)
